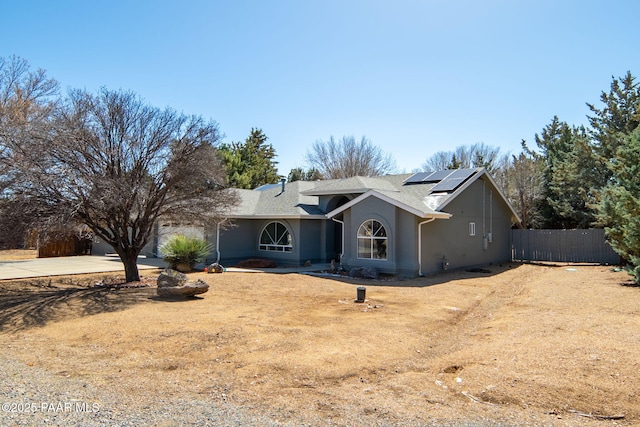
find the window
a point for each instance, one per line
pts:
(276, 237)
(372, 240)
(472, 229)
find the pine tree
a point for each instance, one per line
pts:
(619, 207)
(299, 174)
(571, 189)
(619, 116)
(250, 164)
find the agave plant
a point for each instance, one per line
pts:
(183, 252)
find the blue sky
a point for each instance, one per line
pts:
(415, 77)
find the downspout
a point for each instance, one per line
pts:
(342, 235)
(420, 244)
(485, 236)
(490, 237)
(218, 242)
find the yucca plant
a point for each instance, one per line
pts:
(183, 252)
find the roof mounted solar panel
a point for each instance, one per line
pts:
(453, 181)
(462, 173)
(447, 185)
(416, 178)
(438, 176)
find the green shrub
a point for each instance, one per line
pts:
(181, 249)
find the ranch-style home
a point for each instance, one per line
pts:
(407, 225)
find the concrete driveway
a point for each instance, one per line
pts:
(41, 267)
(60, 266)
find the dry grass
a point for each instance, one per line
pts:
(18, 254)
(522, 345)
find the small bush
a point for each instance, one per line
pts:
(181, 249)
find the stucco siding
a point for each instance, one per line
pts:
(371, 208)
(448, 243)
(406, 226)
(239, 242)
(312, 237)
(242, 242)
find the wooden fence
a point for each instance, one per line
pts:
(562, 246)
(66, 246)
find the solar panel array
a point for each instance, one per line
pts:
(438, 176)
(417, 177)
(447, 180)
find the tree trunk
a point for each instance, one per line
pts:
(130, 261)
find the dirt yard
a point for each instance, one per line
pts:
(519, 345)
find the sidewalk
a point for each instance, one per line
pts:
(59, 266)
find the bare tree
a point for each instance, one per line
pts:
(348, 158)
(26, 97)
(463, 156)
(117, 165)
(440, 160)
(523, 186)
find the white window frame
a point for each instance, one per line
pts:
(280, 241)
(374, 240)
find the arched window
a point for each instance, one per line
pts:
(372, 240)
(276, 237)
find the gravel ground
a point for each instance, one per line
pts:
(33, 397)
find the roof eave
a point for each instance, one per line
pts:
(335, 192)
(373, 193)
(276, 216)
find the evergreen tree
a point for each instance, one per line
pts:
(619, 207)
(618, 118)
(550, 144)
(569, 182)
(299, 174)
(576, 164)
(250, 164)
(573, 185)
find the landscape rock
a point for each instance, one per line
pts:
(333, 268)
(215, 268)
(173, 284)
(364, 272)
(172, 278)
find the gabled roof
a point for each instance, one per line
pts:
(407, 202)
(423, 198)
(409, 192)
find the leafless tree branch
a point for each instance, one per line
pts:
(348, 157)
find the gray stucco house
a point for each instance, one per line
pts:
(408, 225)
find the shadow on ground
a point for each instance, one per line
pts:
(34, 306)
(440, 278)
